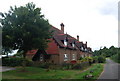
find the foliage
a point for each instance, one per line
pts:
(116, 57)
(112, 52)
(6, 50)
(80, 65)
(107, 52)
(19, 54)
(25, 28)
(13, 61)
(101, 59)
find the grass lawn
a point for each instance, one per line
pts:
(39, 73)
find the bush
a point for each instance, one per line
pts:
(67, 66)
(44, 65)
(101, 59)
(116, 58)
(95, 59)
(15, 61)
(80, 65)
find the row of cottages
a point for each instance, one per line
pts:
(62, 48)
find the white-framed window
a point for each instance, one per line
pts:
(73, 45)
(85, 49)
(65, 42)
(73, 57)
(82, 48)
(65, 57)
(41, 57)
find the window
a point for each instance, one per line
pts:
(41, 57)
(85, 49)
(65, 42)
(73, 56)
(73, 44)
(82, 48)
(65, 57)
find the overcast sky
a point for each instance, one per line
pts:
(95, 21)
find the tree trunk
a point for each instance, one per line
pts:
(24, 61)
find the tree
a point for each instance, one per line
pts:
(25, 28)
(6, 50)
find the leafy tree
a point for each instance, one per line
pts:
(112, 52)
(25, 28)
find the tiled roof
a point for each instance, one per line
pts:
(52, 48)
(59, 37)
(32, 52)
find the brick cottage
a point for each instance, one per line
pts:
(62, 48)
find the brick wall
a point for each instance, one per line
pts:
(69, 52)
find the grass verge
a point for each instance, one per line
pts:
(39, 73)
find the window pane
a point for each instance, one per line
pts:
(73, 57)
(65, 57)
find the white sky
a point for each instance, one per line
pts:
(95, 21)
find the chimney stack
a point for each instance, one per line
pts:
(86, 43)
(62, 27)
(78, 37)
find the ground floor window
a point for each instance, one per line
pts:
(65, 57)
(73, 57)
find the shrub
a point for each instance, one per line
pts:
(15, 61)
(95, 59)
(80, 58)
(101, 59)
(116, 58)
(80, 65)
(11, 61)
(67, 66)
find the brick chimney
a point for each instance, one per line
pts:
(62, 27)
(86, 43)
(78, 37)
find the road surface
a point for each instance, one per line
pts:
(4, 68)
(111, 71)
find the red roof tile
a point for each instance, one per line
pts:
(52, 48)
(32, 51)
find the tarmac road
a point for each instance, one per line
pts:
(111, 71)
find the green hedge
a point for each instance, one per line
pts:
(101, 59)
(81, 65)
(116, 58)
(15, 61)
(75, 66)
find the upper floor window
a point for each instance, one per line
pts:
(85, 49)
(82, 48)
(65, 42)
(41, 57)
(65, 57)
(73, 45)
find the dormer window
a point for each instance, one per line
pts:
(82, 48)
(65, 42)
(73, 45)
(41, 57)
(85, 49)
